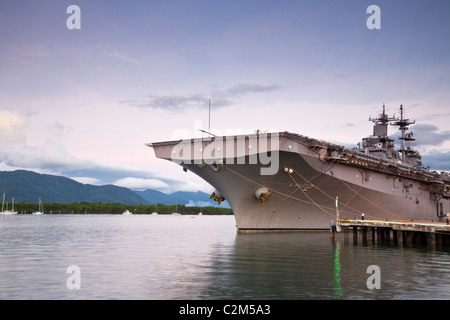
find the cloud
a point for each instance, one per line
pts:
(119, 56)
(191, 185)
(244, 89)
(172, 102)
(431, 143)
(12, 127)
(141, 183)
(87, 180)
(427, 134)
(220, 98)
(5, 167)
(154, 181)
(61, 130)
(54, 155)
(437, 160)
(435, 116)
(193, 203)
(51, 157)
(59, 162)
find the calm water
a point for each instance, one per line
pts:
(202, 257)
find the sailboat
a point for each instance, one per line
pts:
(7, 212)
(155, 213)
(41, 208)
(176, 211)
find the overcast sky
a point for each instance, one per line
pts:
(83, 102)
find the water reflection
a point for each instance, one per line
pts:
(337, 272)
(275, 266)
(179, 257)
(310, 265)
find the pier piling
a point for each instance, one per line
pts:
(397, 232)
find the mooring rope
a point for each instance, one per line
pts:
(311, 201)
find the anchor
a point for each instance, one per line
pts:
(216, 196)
(262, 195)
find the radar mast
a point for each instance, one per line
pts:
(380, 128)
(406, 136)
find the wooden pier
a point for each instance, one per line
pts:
(395, 231)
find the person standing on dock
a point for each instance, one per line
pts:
(448, 217)
(362, 216)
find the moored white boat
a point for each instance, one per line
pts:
(7, 212)
(40, 210)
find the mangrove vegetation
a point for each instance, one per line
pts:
(117, 208)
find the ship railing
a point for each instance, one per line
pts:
(307, 141)
(366, 160)
(390, 166)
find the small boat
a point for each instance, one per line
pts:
(176, 211)
(126, 212)
(40, 210)
(7, 212)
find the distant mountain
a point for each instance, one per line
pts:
(27, 186)
(155, 197)
(199, 198)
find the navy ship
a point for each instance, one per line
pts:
(287, 181)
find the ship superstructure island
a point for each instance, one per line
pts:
(287, 181)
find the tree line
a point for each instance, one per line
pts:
(116, 208)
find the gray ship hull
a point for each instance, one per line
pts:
(310, 184)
